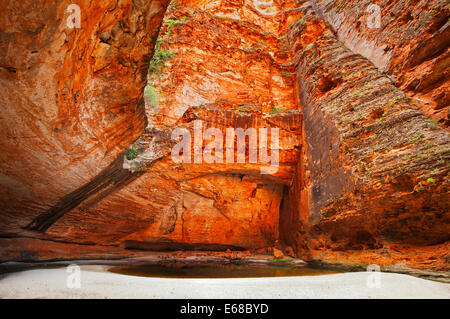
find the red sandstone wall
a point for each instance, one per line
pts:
(71, 98)
(222, 72)
(411, 44)
(376, 170)
(363, 175)
(217, 58)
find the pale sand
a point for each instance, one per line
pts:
(96, 282)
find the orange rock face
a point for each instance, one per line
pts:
(411, 43)
(204, 206)
(167, 206)
(374, 170)
(363, 168)
(72, 97)
(222, 52)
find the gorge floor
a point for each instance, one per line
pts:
(97, 282)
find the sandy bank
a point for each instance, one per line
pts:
(96, 282)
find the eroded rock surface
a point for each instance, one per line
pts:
(199, 206)
(375, 170)
(363, 174)
(410, 41)
(71, 97)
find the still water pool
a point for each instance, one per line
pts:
(217, 270)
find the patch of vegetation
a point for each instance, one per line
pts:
(152, 95)
(131, 153)
(161, 56)
(173, 5)
(283, 260)
(140, 168)
(170, 23)
(275, 110)
(431, 181)
(244, 109)
(159, 59)
(417, 138)
(394, 100)
(362, 168)
(287, 73)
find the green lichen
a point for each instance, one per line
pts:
(174, 5)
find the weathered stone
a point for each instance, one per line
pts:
(363, 175)
(412, 44)
(374, 170)
(70, 102)
(277, 253)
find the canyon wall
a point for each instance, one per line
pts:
(217, 73)
(409, 40)
(158, 205)
(363, 173)
(71, 97)
(375, 168)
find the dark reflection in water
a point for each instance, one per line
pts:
(217, 271)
